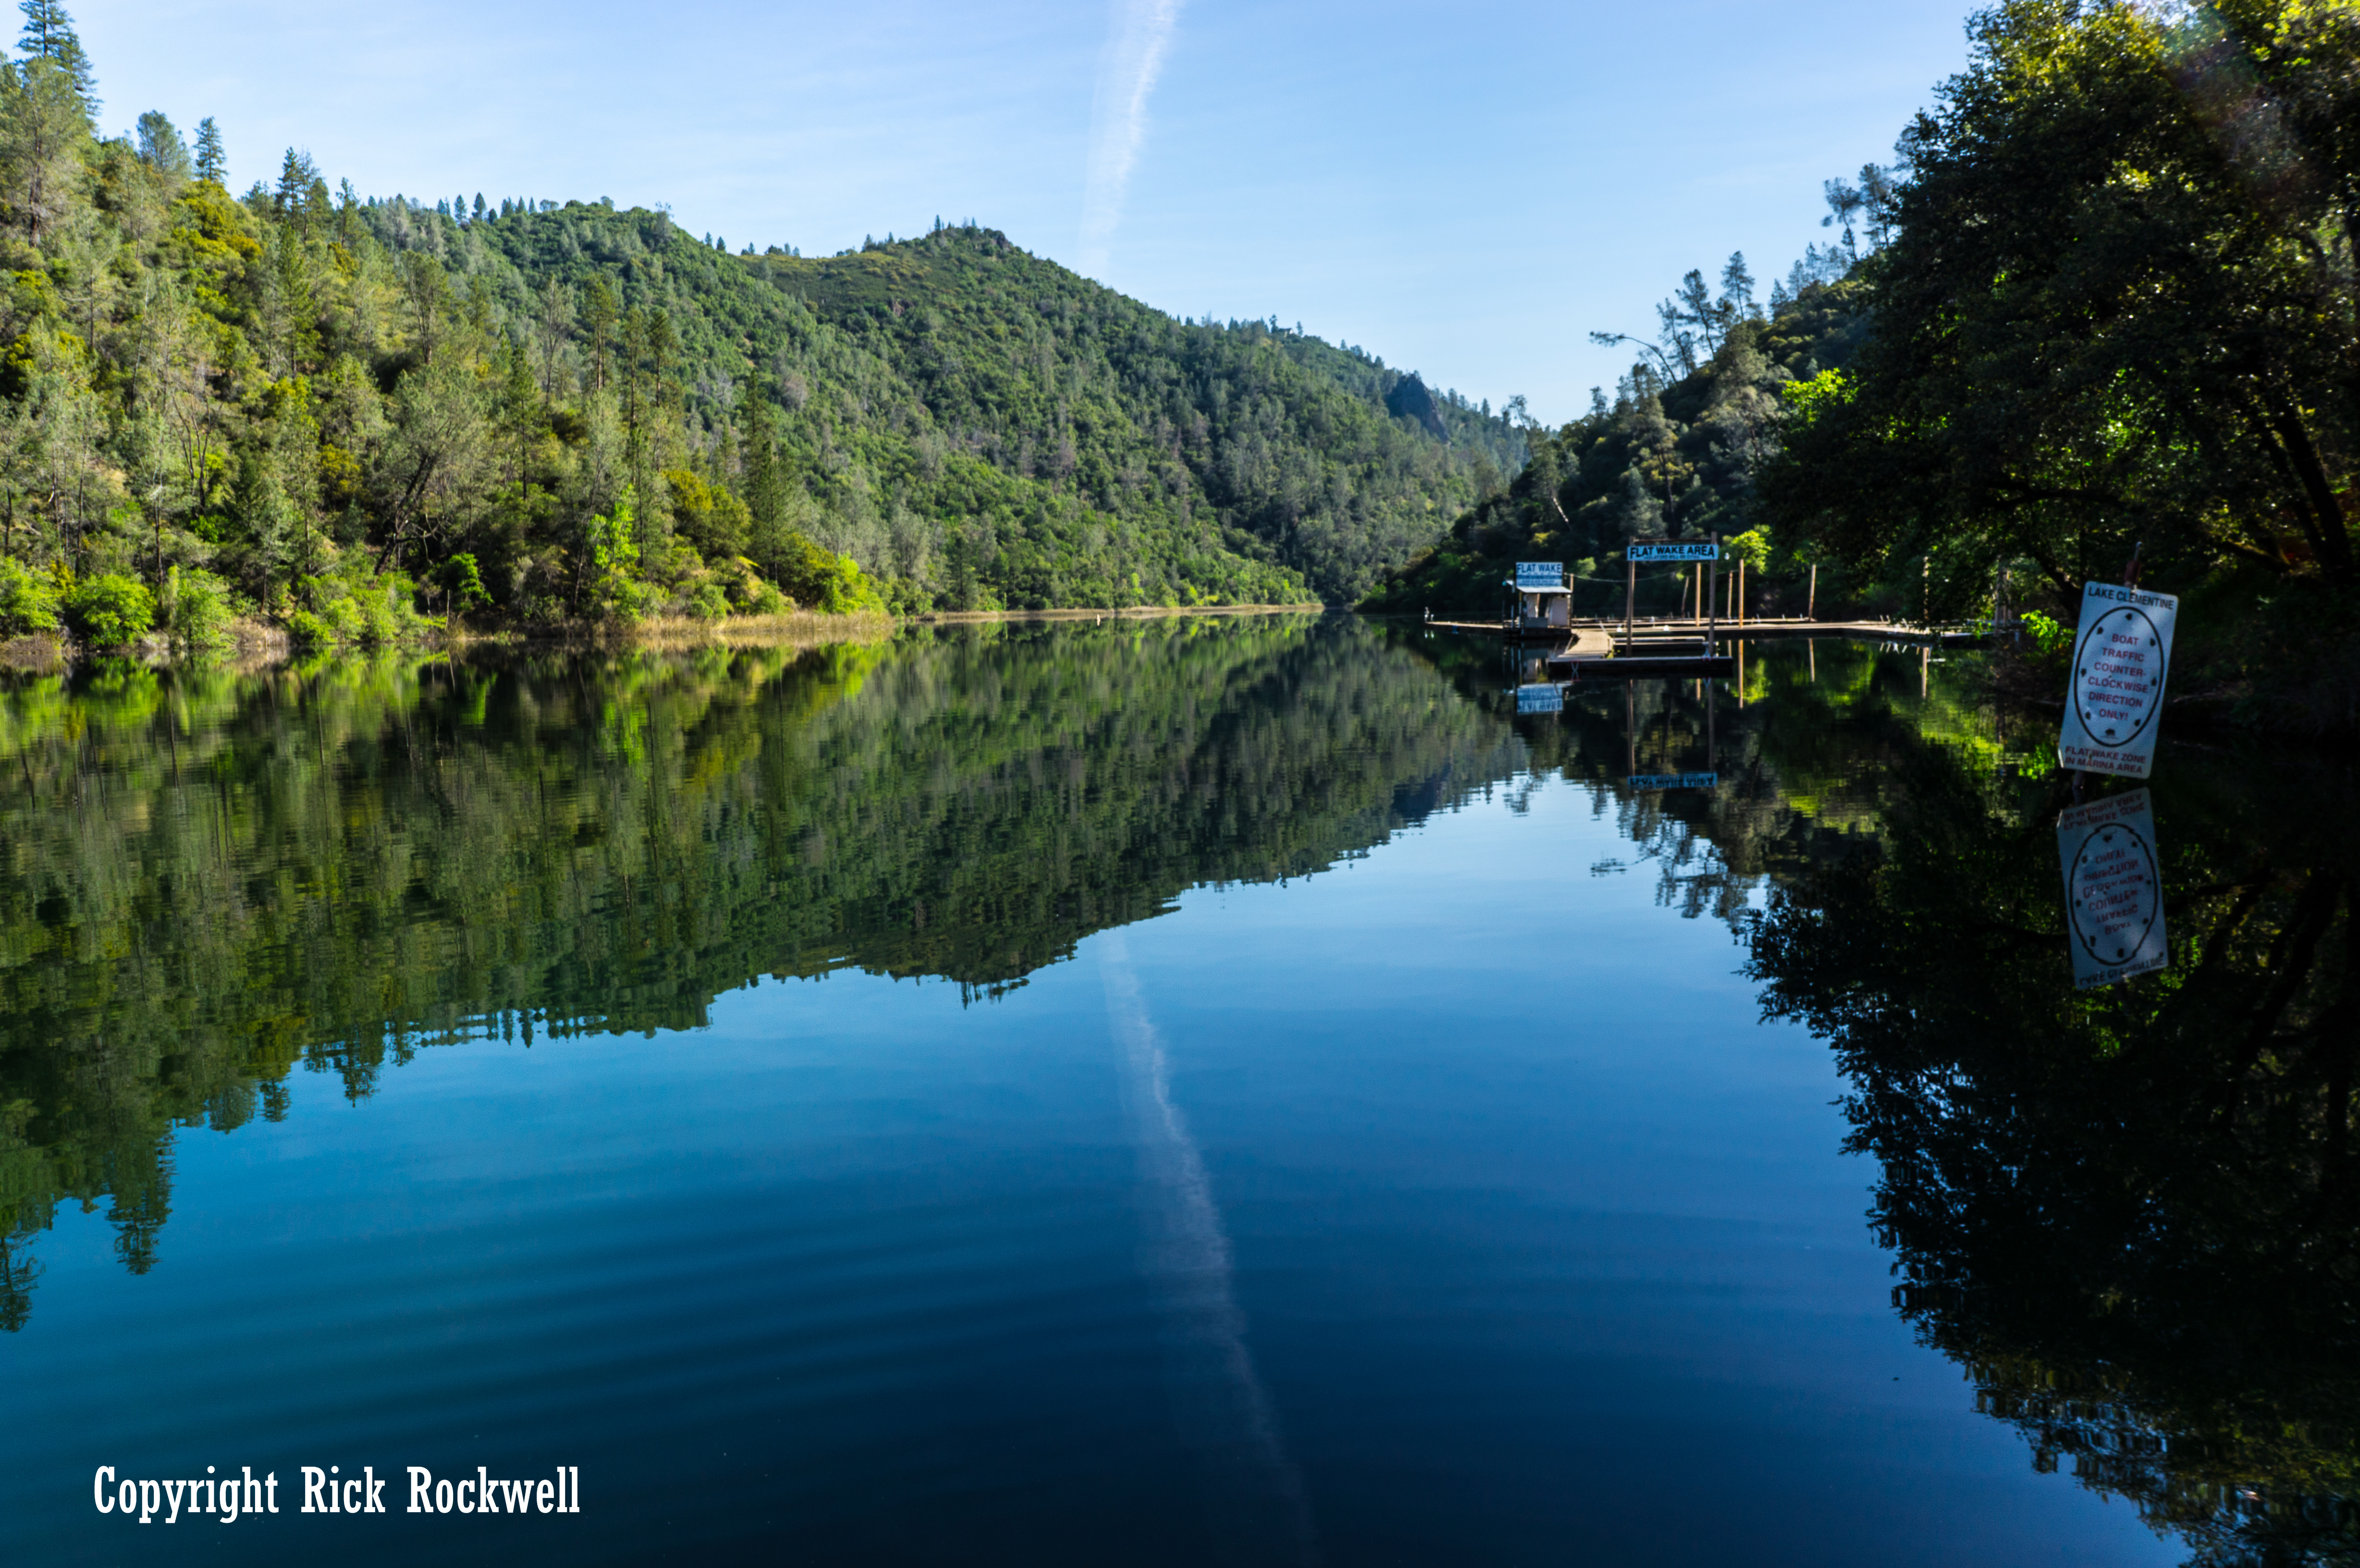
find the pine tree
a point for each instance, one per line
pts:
(49, 35)
(297, 175)
(598, 315)
(160, 148)
(211, 163)
(764, 482)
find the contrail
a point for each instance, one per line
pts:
(1126, 74)
(1255, 1495)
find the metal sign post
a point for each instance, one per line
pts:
(2114, 700)
(1638, 551)
(1713, 577)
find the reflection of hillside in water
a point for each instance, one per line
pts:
(2129, 1214)
(210, 878)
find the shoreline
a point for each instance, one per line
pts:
(1132, 612)
(256, 645)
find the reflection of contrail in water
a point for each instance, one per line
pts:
(1259, 1513)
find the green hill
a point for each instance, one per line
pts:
(982, 425)
(344, 411)
(1668, 458)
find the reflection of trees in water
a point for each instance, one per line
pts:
(340, 866)
(1804, 757)
(2131, 1214)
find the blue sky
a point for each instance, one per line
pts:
(1465, 191)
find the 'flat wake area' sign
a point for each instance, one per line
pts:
(1674, 552)
(1540, 574)
(2114, 889)
(2114, 703)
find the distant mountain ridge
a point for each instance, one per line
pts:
(963, 380)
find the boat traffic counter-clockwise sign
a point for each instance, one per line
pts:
(2114, 889)
(2113, 703)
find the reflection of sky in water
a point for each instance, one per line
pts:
(1255, 1495)
(1454, 1200)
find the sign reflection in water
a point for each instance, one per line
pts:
(2114, 889)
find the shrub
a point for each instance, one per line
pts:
(306, 630)
(463, 585)
(110, 609)
(709, 603)
(28, 602)
(196, 608)
(832, 584)
(344, 621)
(764, 599)
(2049, 634)
(379, 622)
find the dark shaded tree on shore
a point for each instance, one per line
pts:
(2118, 307)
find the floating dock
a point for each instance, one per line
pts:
(1642, 666)
(1607, 634)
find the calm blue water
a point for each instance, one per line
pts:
(1451, 1204)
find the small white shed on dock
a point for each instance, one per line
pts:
(1543, 609)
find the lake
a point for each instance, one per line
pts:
(1166, 1090)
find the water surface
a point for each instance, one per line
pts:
(1162, 1093)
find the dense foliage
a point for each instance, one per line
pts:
(2118, 309)
(1674, 455)
(350, 412)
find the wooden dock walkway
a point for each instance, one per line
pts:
(1598, 639)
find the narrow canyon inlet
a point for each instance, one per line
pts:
(1173, 1091)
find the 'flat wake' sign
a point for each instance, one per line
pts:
(1673, 552)
(2113, 703)
(1540, 574)
(2114, 889)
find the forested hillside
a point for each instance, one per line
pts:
(345, 411)
(2106, 307)
(1674, 455)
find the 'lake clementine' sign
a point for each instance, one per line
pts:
(2114, 889)
(2114, 703)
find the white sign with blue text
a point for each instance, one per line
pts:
(1543, 697)
(2114, 703)
(1674, 552)
(1531, 574)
